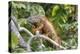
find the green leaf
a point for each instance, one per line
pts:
(14, 40)
(22, 21)
(36, 10)
(55, 9)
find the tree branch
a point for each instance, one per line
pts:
(26, 30)
(15, 28)
(46, 38)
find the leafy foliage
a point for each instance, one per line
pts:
(62, 16)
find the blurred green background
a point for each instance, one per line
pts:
(62, 16)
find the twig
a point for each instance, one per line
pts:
(45, 37)
(26, 30)
(53, 42)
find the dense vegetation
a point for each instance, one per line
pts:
(63, 16)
